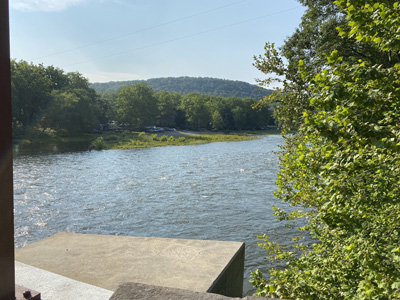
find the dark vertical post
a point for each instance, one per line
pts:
(7, 269)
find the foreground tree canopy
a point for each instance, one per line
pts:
(341, 168)
(46, 99)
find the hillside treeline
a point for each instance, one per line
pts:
(186, 85)
(47, 99)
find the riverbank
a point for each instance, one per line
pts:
(130, 140)
(175, 138)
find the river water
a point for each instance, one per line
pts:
(218, 191)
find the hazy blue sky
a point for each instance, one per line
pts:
(109, 40)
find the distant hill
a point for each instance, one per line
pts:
(185, 85)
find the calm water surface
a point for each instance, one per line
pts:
(218, 191)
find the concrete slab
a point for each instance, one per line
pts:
(139, 291)
(56, 287)
(107, 261)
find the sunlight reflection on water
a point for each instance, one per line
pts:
(218, 191)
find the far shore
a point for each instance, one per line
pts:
(129, 140)
(172, 138)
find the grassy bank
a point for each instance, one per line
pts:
(144, 140)
(40, 139)
(44, 143)
(129, 140)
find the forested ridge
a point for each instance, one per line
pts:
(186, 85)
(47, 100)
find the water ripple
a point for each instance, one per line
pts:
(219, 191)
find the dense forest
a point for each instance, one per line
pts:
(46, 100)
(186, 85)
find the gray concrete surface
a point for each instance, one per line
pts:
(56, 287)
(138, 291)
(230, 281)
(107, 261)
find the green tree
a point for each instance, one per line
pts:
(74, 105)
(71, 111)
(49, 98)
(31, 94)
(252, 116)
(341, 170)
(217, 122)
(59, 80)
(136, 106)
(196, 110)
(218, 110)
(167, 105)
(315, 38)
(239, 117)
(246, 117)
(107, 106)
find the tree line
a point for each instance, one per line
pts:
(187, 85)
(47, 99)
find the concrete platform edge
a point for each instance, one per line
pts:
(140, 291)
(55, 287)
(230, 280)
(106, 261)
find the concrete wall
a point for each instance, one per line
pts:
(230, 281)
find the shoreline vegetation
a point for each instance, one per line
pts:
(132, 140)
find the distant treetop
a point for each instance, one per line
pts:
(186, 85)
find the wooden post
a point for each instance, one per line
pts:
(7, 269)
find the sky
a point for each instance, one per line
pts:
(115, 40)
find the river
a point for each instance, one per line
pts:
(218, 191)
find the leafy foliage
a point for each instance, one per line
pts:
(46, 97)
(187, 85)
(316, 37)
(218, 113)
(167, 108)
(73, 109)
(47, 100)
(136, 106)
(130, 140)
(98, 144)
(31, 93)
(341, 169)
